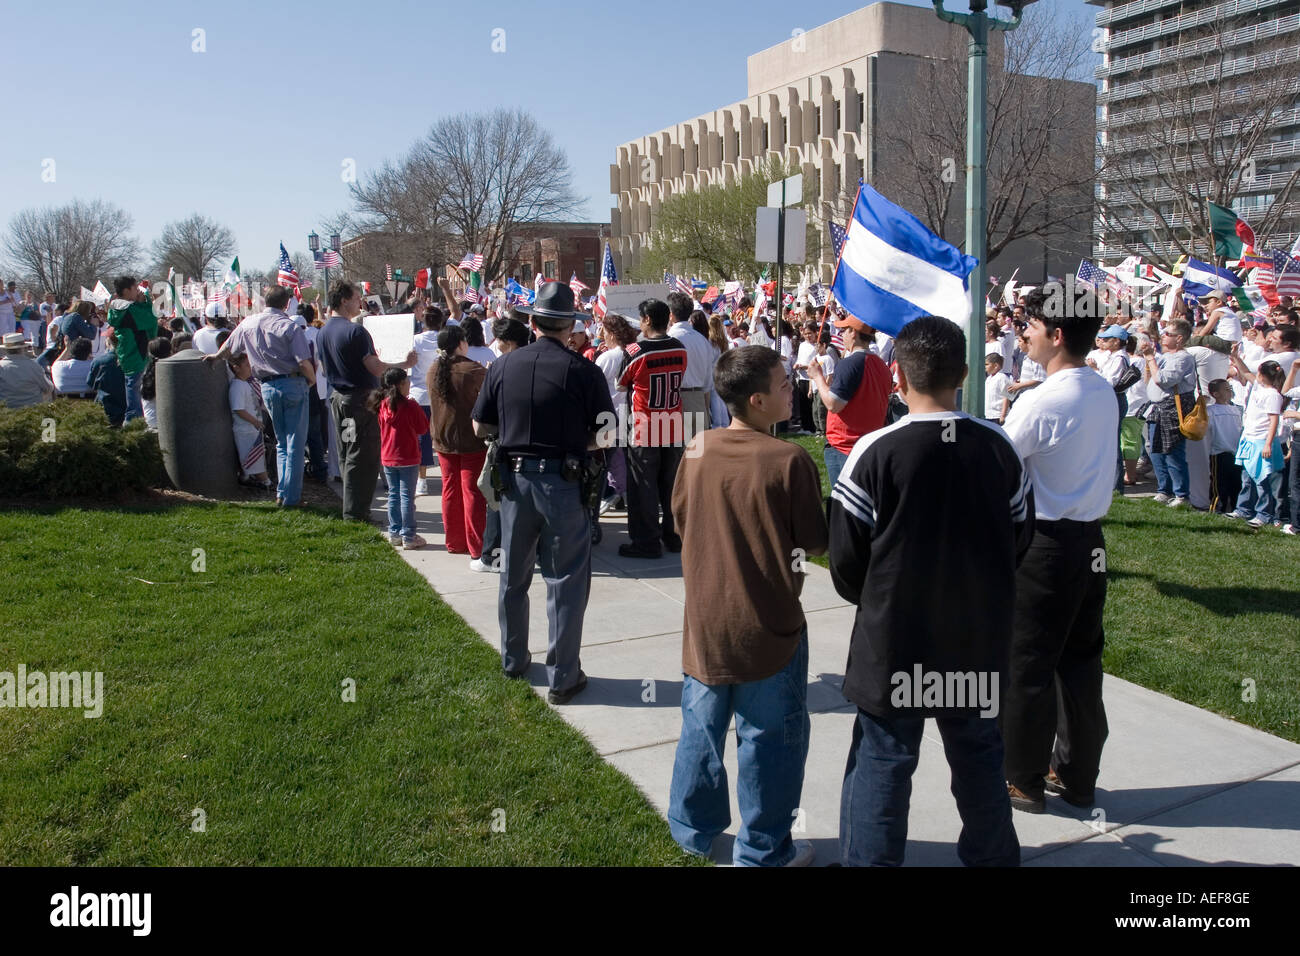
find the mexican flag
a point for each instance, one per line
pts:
(232, 276)
(1231, 232)
(1249, 299)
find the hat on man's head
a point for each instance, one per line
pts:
(214, 310)
(14, 342)
(852, 322)
(1114, 332)
(1210, 297)
(553, 307)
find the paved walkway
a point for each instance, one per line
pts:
(1179, 786)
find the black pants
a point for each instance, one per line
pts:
(1055, 675)
(650, 476)
(1225, 482)
(317, 440)
(357, 435)
(805, 412)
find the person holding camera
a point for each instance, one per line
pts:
(545, 404)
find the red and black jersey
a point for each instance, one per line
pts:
(653, 376)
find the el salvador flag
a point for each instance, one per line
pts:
(893, 269)
(1200, 278)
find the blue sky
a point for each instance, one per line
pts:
(254, 130)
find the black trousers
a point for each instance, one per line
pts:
(1225, 482)
(357, 436)
(1055, 673)
(805, 412)
(650, 476)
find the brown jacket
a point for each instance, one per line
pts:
(452, 427)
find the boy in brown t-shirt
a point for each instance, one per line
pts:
(749, 509)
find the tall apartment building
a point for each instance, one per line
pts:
(823, 100)
(1157, 56)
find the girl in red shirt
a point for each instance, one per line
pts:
(401, 423)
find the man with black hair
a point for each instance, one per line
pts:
(653, 376)
(132, 319)
(1066, 431)
(929, 514)
(749, 507)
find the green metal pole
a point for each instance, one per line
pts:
(976, 214)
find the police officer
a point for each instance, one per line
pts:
(546, 405)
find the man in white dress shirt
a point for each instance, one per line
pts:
(1067, 432)
(697, 383)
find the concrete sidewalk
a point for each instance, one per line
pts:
(1179, 786)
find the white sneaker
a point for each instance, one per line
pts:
(1288, 529)
(803, 853)
(1162, 499)
(607, 504)
(1177, 502)
(395, 540)
(479, 565)
(1256, 522)
(422, 486)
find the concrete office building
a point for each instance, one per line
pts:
(823, 99)
(1156, 53)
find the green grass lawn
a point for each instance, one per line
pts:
(223, 692)
(1196, 605)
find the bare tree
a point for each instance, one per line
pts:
(1040, 162)
(465, 186)
(61, 249)
(1199, 129)
(191, 245)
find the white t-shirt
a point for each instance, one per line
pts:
(806, 355)
(70, 376)
(425, 346)
(1031, 371)
(1229, 326)
(1110, 365)
(1225, 427)
(1263, 402)
(241, 397)
(609, 362)
(482, 354)
(996, 389)
(1067, 431)
(1209, 365)
(205, 340)
(827, 363)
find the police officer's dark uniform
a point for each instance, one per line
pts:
(546, 402)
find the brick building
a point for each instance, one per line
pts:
(558, 250)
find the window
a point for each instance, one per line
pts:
(785, 130)
(764, 135)
(548, 269)
(839, 178)
(862, 112)
(735, 144)
(838, 117)
(817, 120)
(589, 267)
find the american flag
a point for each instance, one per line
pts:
(1089, 274)
(332, 259)
(608, 277)
(471, 294)
(473, 261)
(1266, 276)
(578, 286)
(1288, 274)
(838, 237)
(837, 338)
(678, 284)
(388, 272)
(288, 277)
(218, 295)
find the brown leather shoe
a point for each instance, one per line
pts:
(1054, 785)
(1022, 801)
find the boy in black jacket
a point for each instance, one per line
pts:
(928, 522)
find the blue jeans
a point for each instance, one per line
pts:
(772, 728)
(878, 788)
(401, 499)
(286, 403)
(1258, 499)
(134, 404)
(835, 460)
(1172, 477)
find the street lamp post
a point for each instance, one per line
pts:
(977, 24)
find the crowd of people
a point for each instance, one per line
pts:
(543, 418)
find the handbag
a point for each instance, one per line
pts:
(486, 485)
(1129, 377)
(1197, 421)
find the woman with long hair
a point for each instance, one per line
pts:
(619, 334)
(453, 386)
(717, 336)
(159, 348)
